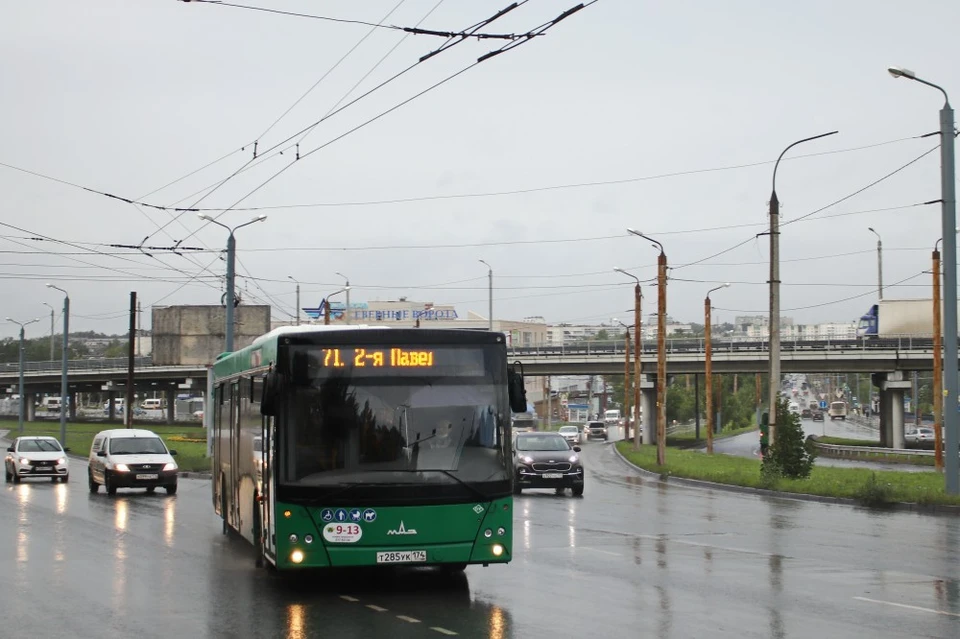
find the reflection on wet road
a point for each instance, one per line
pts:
(630, 559)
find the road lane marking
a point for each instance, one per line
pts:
(606, 552)
(349, 598)
(443, 631)
(909, 607)
(377, 608)
(406, 618)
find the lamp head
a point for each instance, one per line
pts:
(9, 320)
(870, 228)
(900, 72)
(49, 285)
(204, 216)
(260, 218)
(726, 285)
(634, 232)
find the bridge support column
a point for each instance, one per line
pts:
(171, 405)
(648, 406)
(111, 406)
(31, 413)
(892, 386)
(72, 401)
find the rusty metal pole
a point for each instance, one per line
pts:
(626, 380)
(937, 366)
(708, 375)
(661, 358)
(326, 312)
(637, 352)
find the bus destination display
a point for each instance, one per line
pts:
(391, 360)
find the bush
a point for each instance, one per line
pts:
(790, 455)
(874, 493)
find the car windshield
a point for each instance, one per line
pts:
(542, 442)
(596, 425)
(39, 446)
(137, 446)
(569, 429)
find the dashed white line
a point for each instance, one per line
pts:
(349, 598)
(443, 631)
(406, 618)
(377, 608)
(909, 607)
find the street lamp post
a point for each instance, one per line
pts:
(948, 221)
(51, 329)
(298, 299)
(64, 400)
(937, 365)
(879, 262)
(626, 375)
(22, 325)
(637, 352)
(661, 348)
(708, 372)
(774, 320)
(347, 287)
(326, 305)
(489, 294)
(231, 259)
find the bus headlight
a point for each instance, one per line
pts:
(296, 556)
(497, 550)
(501, 531)
(293, 538)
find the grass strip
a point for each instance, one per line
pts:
(874, 488)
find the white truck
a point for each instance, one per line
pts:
(838, 410)
(898, 318)
(611, 417)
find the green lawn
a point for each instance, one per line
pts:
(873, 487)
(191, 455)
(687, 438)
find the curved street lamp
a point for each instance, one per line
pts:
(64, 399)
(326, 304)
(948, 221)
(231, 258)
(347, 286)
(708, 364)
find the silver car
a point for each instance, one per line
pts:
(570, 433)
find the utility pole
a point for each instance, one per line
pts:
(51, 331)
(346, 315)
(139, 330)
(128, 418)
(290, 277)
(708, 360)
(64, 397)
(637, 352)
(661, 358)
(937, 365)
(626, 381)
(774, 282)
(489, 295)
(23, 400)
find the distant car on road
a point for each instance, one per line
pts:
(816, 415)
(806, 413)
(919, 436)
(570, 433)
(596, 430)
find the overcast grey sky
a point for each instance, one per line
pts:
(126, 97)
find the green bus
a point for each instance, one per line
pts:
(360, 446)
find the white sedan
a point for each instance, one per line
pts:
(570, 433)
(36, 457)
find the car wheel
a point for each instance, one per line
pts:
(107, 484)
(65, 478)
(92, 485)
(16, 477)
(171, 489)
(578, 491)
(7, 474)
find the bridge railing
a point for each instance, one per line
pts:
(88, 364)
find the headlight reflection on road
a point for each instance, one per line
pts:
(296, 622)
(169, 520)
(120, 555)
(62, 494)
(120, 519)
(498, 624)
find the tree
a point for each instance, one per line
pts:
(790, 455)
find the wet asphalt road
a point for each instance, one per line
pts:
(629, 559)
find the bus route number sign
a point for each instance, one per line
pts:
(377, 358)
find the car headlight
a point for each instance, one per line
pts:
(121, 468)
(24, 461)
(61, 461)
(574, 459)
(170, 466)
(526, 460)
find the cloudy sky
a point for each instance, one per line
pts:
(662, 116)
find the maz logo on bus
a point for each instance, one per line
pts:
(380, 358)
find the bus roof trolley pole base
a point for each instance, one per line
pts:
(358, 446)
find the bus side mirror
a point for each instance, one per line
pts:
(517, 391)
(268, 399)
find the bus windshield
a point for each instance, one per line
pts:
(347, 427)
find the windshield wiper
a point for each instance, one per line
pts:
(484, 496)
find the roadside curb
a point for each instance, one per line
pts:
(925, 509)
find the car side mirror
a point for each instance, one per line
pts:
(173, 452)
(66, 449)
(10, 449)
(101, 453)
(576, 449)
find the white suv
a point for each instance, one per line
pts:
(131, 458)
(36, 457)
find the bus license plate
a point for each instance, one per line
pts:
(553, 475)
(401, 557)
(148, 476)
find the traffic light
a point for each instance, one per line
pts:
(764, 433)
